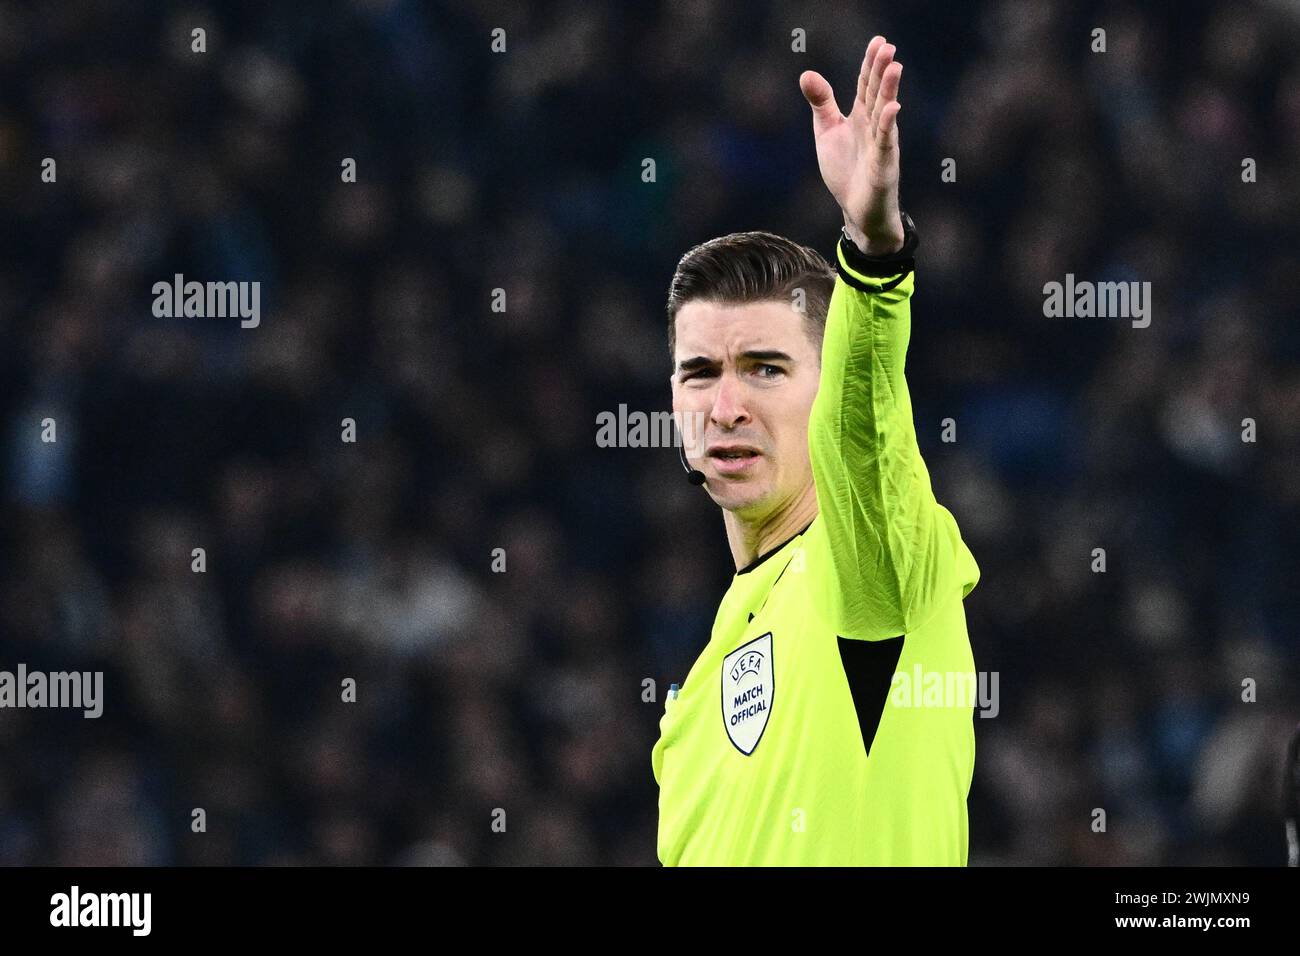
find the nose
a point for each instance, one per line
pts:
(728, 404)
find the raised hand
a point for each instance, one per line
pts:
(858, 153)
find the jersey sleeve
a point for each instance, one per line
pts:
(895, 553)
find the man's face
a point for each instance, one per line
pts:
(748, 373)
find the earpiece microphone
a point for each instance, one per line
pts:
(693, 475)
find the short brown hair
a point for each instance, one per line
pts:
(752, 267)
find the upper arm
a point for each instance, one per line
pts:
(894, 551)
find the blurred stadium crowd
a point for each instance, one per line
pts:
(475, 430)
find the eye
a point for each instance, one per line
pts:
(775, 369)
(700, 374)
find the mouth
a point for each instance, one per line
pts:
(732, 460)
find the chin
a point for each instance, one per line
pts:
(742, 497)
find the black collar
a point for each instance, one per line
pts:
(767, 554)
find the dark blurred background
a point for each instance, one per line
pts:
(475, 429)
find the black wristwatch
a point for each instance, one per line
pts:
(898, 263)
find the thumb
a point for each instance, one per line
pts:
(819, 96)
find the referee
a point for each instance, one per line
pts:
(795, 738)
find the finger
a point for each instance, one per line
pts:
(888, 93)
(888, 128)
(864, 74)
(820, 97)
(884, 56)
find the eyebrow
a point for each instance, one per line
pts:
(754, 355)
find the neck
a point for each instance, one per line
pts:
(750, 539)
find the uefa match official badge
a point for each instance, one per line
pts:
(747, 690)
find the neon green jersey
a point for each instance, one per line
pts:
(795, 738)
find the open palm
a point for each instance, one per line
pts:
(858, 153)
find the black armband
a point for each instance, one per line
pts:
(854, 265)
